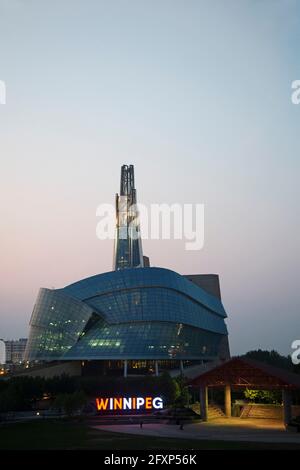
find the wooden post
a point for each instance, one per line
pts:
(204, 402)
(287, 406)
(227, 401)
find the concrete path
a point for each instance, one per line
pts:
(223, 429)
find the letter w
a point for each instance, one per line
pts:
(101, 403)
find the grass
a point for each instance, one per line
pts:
(52, 434)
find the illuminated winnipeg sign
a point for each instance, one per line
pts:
(133, 403)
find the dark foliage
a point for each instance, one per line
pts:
(20, 393)
(274, 359)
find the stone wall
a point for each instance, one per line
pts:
(266, 411)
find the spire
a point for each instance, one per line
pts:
(128, 246)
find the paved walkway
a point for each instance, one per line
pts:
(223, 429)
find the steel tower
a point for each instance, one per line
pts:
(128, 246)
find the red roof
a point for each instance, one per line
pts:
(241, 372)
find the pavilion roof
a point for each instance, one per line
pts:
(241, 372)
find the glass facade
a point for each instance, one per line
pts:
(139, 313)
(146, 340)
(128, 245)
(57, 321)
(137, 278)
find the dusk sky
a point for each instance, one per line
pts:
(197, 95)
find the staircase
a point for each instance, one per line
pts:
(262, 411)
(215, 412)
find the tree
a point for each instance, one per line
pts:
(270, 357)
(61, 384)
(20, 393)
(10, 400)
(263, 396)
(70, 403)
(183, 397)
(167, 387)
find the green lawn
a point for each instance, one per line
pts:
(51, 434)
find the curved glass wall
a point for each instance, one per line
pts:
(56, 323)
(142, 313)
(143, 277)
(156, 303)
(145, 340)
